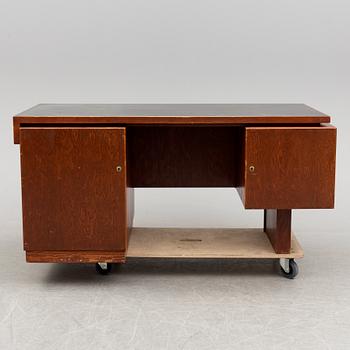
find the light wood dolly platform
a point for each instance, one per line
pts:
(203, 243)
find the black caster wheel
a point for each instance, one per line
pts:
(103, 268)
(293, 270)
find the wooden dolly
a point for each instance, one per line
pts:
(203, 243)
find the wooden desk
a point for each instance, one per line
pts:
(80, 163)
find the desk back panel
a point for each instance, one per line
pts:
(175, 156)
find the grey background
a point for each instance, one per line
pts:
(176, 52)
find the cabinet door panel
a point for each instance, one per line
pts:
(290, 167)
(72, 195)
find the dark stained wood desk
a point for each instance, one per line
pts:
(80, 163)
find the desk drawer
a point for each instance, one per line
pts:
(289, 167)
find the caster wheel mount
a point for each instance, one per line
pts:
(289, 268)
(103, 268)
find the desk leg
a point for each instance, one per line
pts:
(277, 226)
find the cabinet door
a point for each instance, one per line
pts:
(73, 195)
(289, 167)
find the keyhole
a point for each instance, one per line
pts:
(119, 168)
(252, 168)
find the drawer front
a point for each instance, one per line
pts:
(289, 167)
(73, 194)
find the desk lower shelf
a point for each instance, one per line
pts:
(205, 243)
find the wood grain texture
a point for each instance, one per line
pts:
(168, 114)
(75, 256)
(204, 243)
(277, 225)
(184, 156)
(73, 198)
(294, 167)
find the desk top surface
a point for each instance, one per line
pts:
(168, 114)
(176, 110)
